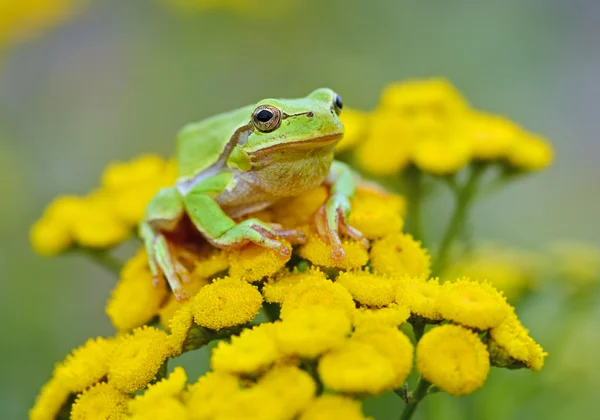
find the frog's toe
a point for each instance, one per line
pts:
(181, 295)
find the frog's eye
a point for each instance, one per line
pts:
(266, 118)
(337, 104)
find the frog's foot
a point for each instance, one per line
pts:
(164, 265)
(331, 220)
(260, 233)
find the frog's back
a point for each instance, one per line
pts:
(200, 144)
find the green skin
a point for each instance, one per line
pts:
(235, 163)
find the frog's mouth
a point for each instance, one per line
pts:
(309, 144)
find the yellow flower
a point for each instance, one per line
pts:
(577, 262)
(420, 296)
(295, 387)
(209, 394)
(357, 367)
(102, 401)
(514, 339)
(369, 289)
(226, 303)
(311, 330)
(493, 136)
(257, 403)
(170, 308)
(442, 155)
(158, 392)
(250, 353)
(86, 365)
(298, 211)
(531, 153)
(322, 293)
(355, 129)
(399, 254)
(453, 358)
(392, 344)
(329, 406)
(52, 397)
(276, 289)
(163, 408)
(137, 357)
(390, 316)
(472, 304)
(376, 214)
(135, 300)
(180, 324)
(52, 234)
(319, 253)
(253, 262)
(215, 262)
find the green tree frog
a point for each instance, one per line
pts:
(243, 161)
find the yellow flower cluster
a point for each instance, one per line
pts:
(429, 124)
(25, 18)
(107, 216)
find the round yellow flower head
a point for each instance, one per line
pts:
(295, 387)
(514, 339)
(209, 393)
(52, 397)
(442, 155)
(138, 170)
(327, 407)
(357, 368)
(250, 353)
(399, 254)
(390, 316)
(135, 300)
(420, 296)
(102, 401)
(492, 136)
(276, 289)
(180, 324)
(86, 365)
(158, 392)
(295, 212)
(453, 358)
(52, 234)
(531, 153)
(319, 253)
(392, 344)
(258, 403)
(137, 357)
(170, 308)
(322, 293)
(472, 304)
(226, 303)
(207, 266)
(376, 214)
(253, 262)
(355, 129)
(368, 288)
(311, 330)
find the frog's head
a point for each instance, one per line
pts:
(278, 125)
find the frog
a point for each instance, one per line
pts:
(242, 161)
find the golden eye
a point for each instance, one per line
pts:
(266, 118)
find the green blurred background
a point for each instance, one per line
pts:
(119, 78)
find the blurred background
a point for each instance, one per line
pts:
(85, 83)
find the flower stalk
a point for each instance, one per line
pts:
(414, 398)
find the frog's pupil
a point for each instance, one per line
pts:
(264, 115)
(338, 102)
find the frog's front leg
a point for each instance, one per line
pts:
(332, 217)
(223, 232)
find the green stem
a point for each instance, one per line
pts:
(414, 398)
(199, 336)
(464, 197)
(415, 197)
(271, 311)
(418, 329)
(104, 259)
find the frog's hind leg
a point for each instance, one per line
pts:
(163, 214)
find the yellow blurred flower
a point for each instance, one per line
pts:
(163, 408)
(311, 330)
(53, 395)
(492, 136)
(226, 303)
(52, 234)
(513, 339)
(375, 214)
(277, 288)
(322, 293)
(392, 344)
(295, 212)
(531, 153)
(357, 368)
(253, 262)
(319, 253)
(257, 403)
(442, 155)
(137, 358)
(250, 353)
(398, 254)
(578, 263)
(453, 358)
(156, 393)
(102, 401)
(172, 305)
(86, 365)
(135, 300)
(391, 316)
(420, 296)
(329, 406)
(369, 289)
(472, 304)
(355, 128)
(209, 393)
(295, 387)
(214, 263)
